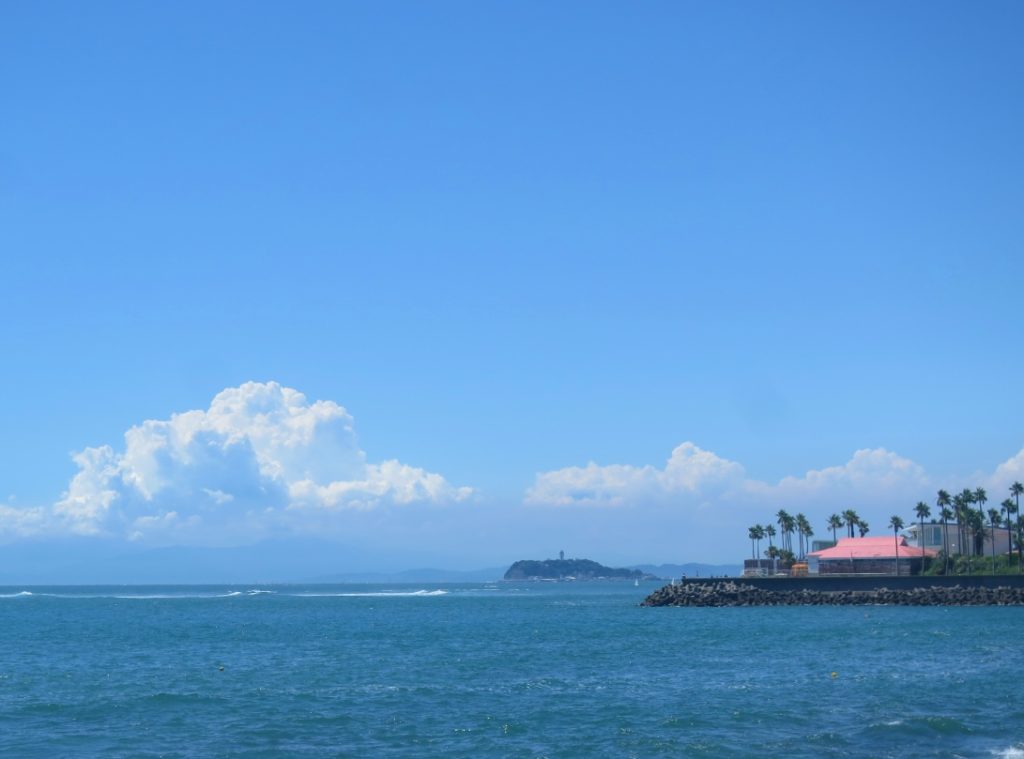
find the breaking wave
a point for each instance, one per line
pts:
(374, 594)
(1013, 752)
(123, 595)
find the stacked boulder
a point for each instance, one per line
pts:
(729, 593)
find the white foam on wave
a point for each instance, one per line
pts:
(138, 596)
(377, 594)
(1013, 752)
(168, 596)
(232, 594)
(173, 596)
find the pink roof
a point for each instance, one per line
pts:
(872, 548)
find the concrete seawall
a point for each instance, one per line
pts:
(869, 582)
(830, 591)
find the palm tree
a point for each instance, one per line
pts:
(958, 511)
(943, 501)
(804, 528)
(980, 498)
(1018, 534)
(834, 523)
(1017, 490)
(862, 527)
(752, 534)
(977, 519)
(1008, 507)
(945, 516)
(851, 519)
(922, 512)
(785, 523)
(769, 530)
(979, 532)
(897, 524)
(993, 522)
(967, 499)
(781, 519)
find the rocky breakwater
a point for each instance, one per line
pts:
(728, 593)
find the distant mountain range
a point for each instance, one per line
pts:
(414, 575)
(294, 560)
(580, 568)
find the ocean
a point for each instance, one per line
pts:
(502, 669)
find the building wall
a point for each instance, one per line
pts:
(933, 539)
(868, 566)
(759, 567)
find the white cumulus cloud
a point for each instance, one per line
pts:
(258, 456)
(699, 505)
(16, 522)
(869, 473)
(689, 471)
(1007, 473)
(693, 476)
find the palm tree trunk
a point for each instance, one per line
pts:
(1020, 546)
(1009, 543)
(921, 536)
(945, 548)
(960, 534)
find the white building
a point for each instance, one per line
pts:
(933, 539)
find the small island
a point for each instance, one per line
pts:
(570, 569)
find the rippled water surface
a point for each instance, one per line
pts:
(557, 670)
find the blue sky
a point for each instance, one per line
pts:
(510, 240)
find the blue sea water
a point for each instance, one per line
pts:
(507, 670)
